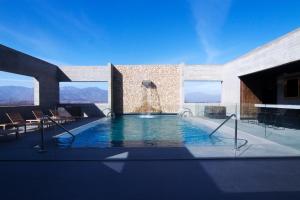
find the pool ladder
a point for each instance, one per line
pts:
(236, 147)
(110, 113)
(186, 111)
(43, 120)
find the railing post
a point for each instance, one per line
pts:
(236, 147)
(42, 145)
(235, 133)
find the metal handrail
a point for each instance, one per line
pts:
(226, 120)
(42, 121)
(107, 109)
(185, 110)
(235, 131)
(59, 125)
(110, 112)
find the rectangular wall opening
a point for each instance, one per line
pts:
(83, 92)
(292, 88)
(202, 91)
(17, 90)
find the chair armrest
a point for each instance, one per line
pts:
(3, 126)
(33, 120)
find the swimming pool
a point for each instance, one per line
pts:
(138, 131)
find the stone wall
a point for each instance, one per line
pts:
(130, 96)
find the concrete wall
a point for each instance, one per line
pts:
(129, 94)
(200, 73)
(90, 73)
(278, 52)
(46, 92)
(45, 73)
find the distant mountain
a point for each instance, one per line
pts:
(19, 95)
(197, 97)
(83, 95)
(16, 95)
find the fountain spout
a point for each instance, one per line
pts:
(147, 83)
(150, 99)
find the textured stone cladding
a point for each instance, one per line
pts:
(130, 96)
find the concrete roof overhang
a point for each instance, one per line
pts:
(285, 69)
(14, 61)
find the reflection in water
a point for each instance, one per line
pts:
(147, 116)
(117, 140)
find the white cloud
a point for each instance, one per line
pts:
(74, 23)
(38, 41)
(33, 38)
(210, 16)
(67, 30)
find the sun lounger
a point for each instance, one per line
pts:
(57, 116)
(9, 131)
(63, 112)
(18, 121)
(39, 115)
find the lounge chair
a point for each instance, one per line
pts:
(5, 126)
(9, 131)
(5, 132)
(39, 115)
(56, 115)
(63, 112)
(18, 121)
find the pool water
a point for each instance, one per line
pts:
(137, 131)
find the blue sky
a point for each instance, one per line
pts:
(96, 32)
(10, 79)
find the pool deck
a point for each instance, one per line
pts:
(138, 173)
(287, 136)
(257, 146)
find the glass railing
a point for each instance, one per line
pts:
(271, 130)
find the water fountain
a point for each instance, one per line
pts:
(150, 99)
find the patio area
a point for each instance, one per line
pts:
(152, 179)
